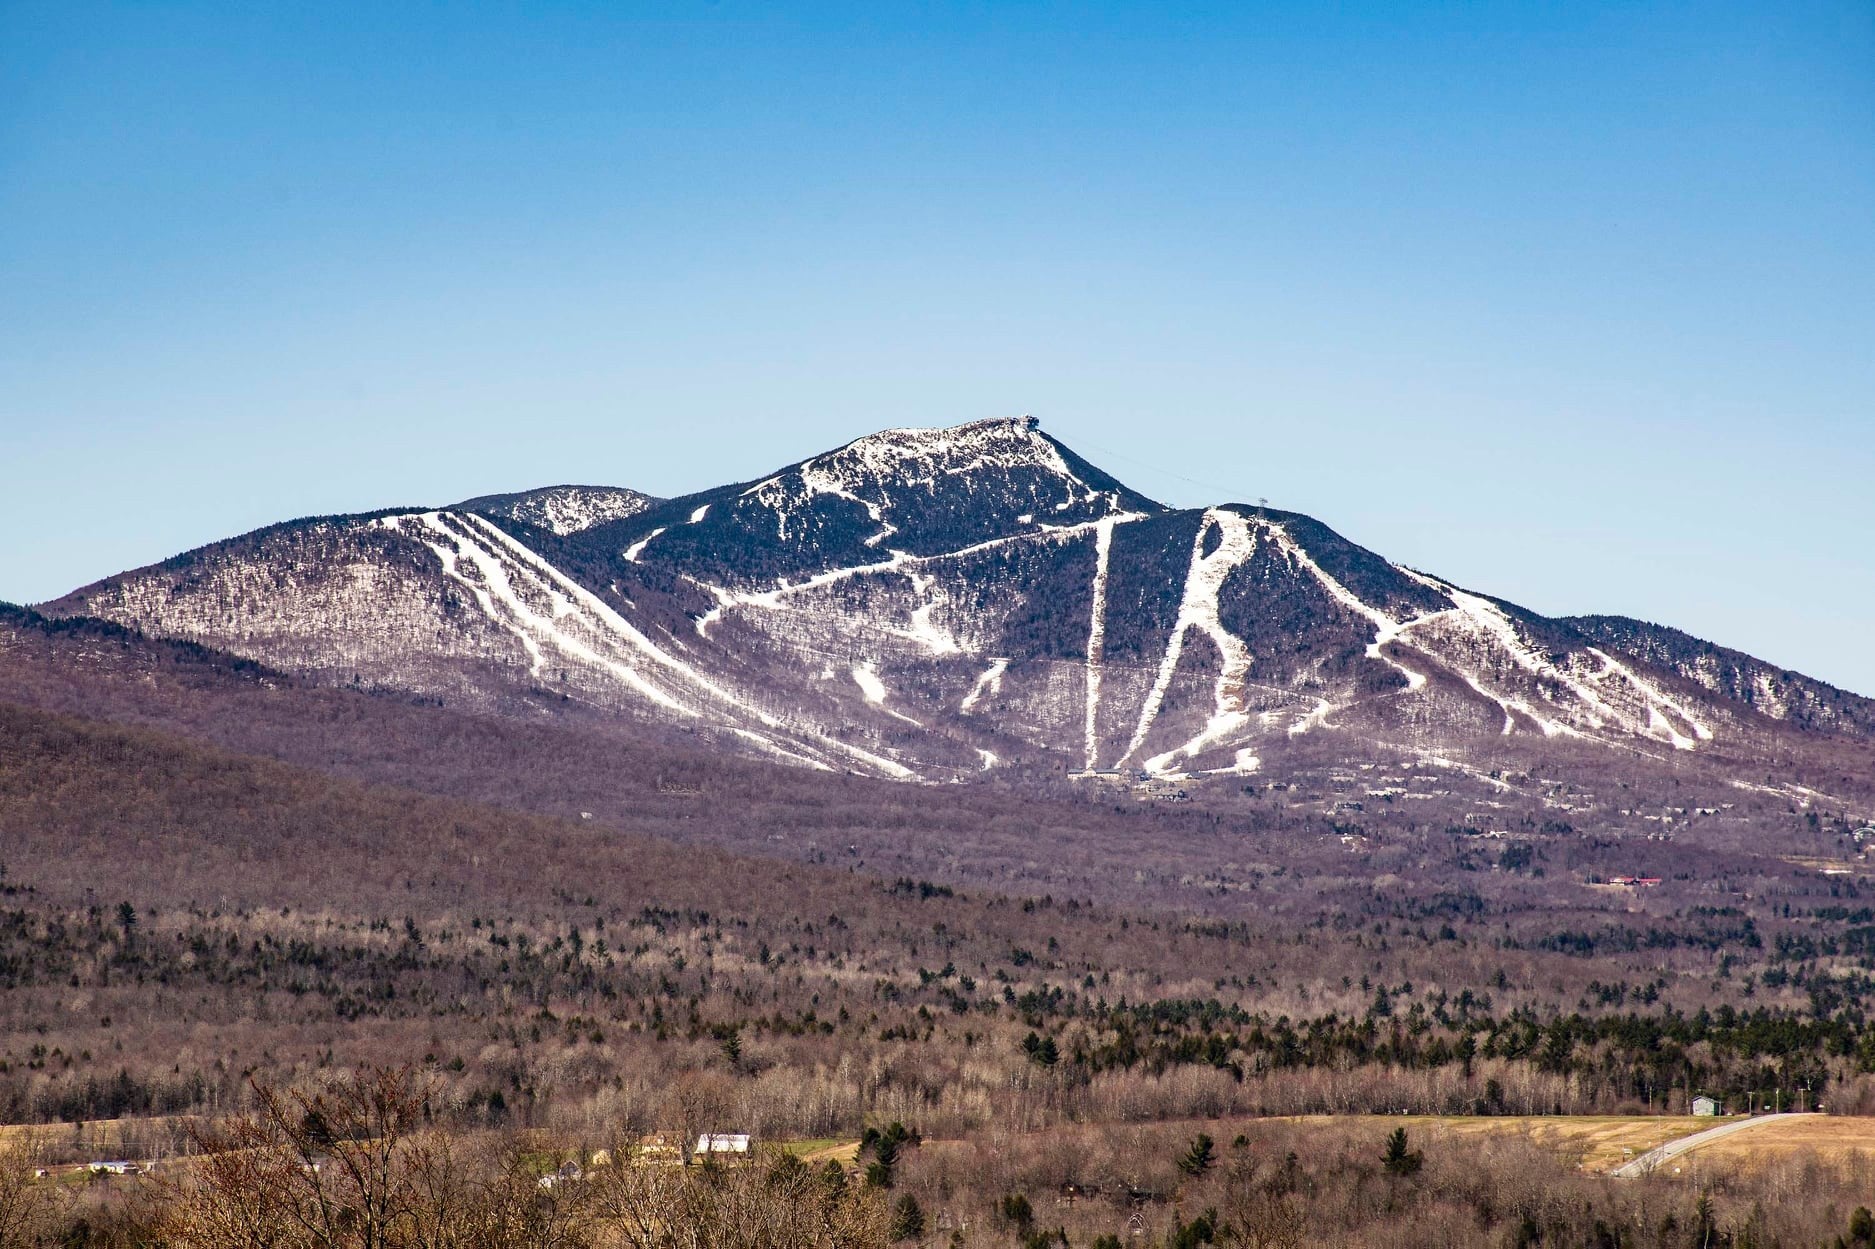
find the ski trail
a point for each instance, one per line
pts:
(1487, 620)
(991, 682)
(637, 548)
(1655, 698)
(504, 605)
(898, 560)
(1315, 718)
(924, 630)
(866, 676)
(1199, 610)
(597, 609)
(1097, 634)
(1386, 628)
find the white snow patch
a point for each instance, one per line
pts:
(990, 681)
(699, 514)
(866, 676)
(923, 631)
(1244, 763)
(637, 548)
(871, 470)
(1314, 718)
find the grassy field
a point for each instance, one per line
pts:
(1599, 1143)
(824, 1151)
(100, 1139)
(1826, 1138)
(1594, 1142)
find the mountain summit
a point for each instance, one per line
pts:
(936, 604)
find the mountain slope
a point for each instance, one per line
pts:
(937, 604)
(1778, 693)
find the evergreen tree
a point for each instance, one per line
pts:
(731, 1039)
(907, 1219)
(1018, 1213)
(1197, 1160)
(1398, 1159)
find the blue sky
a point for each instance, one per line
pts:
(1571, 303)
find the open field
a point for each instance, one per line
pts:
(1599, 1143)
(97, 1140)
(820, 1153)
(1596, 1143)
(1827, 1138)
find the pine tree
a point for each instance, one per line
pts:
(907, 1219)
(1398, 1159)
(885, 1146)
(1198, 1158)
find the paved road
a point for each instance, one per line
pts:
(1673, 1149)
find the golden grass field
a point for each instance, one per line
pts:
(94, 1139)
(1594, 1142)
(1599, 1143)
(1826, 1138)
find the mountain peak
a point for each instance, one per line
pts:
(1001, 442)
(921, 457)
(906, 491)
(561, 510)
(1005, 472)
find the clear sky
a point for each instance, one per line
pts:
(1573, 303)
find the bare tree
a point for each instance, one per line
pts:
(29, 1204)
(349, 1166)
(778, 1204)
(699, 1102)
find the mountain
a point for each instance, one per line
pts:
(945, 604)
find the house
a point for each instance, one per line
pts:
(567, 1172)
(1706, 1107)
(722, 1143)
